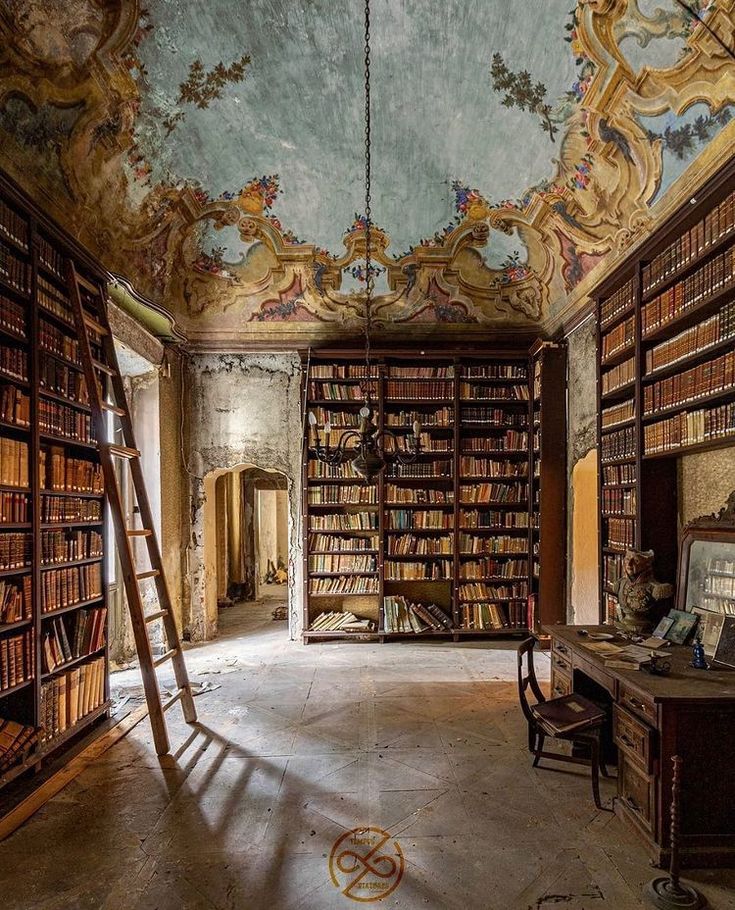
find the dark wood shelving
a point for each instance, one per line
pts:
(691, 315)
(47, 674)
(685, 363)
(48, 614)
(11, 690)
(15, 626)
(683, 271)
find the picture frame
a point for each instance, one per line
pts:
(682, 626)
(725, 650)
(665, 623)
(710, 625)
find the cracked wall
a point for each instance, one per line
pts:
(243, 409)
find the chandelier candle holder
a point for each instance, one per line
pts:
(364, 447)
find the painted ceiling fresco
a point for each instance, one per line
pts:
(212, 153)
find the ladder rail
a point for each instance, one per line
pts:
(122, 537)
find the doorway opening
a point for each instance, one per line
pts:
(247, 541)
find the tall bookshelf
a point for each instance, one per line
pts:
(455, 530)
(52, 535)
(666, 375)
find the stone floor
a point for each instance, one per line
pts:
(299, 745)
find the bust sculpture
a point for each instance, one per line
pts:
(639, 594)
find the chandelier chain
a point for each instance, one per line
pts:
(368, 208)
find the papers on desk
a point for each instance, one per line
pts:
(629, 658)
(601, 647)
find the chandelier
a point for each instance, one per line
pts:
(364, 448)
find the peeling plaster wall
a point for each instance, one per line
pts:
(582, 566)
(705, 482)
(243, 409)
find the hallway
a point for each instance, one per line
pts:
(298, 745)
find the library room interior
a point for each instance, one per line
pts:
(367, 454)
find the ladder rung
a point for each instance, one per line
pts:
(139, 532)
(122, 451)
(164, 657)
(152, 617)
(172, 701)
(87, 284)
(103, 368)
(153, 573)
(113, 409)
(92, 323)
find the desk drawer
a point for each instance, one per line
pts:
(558, 647)
(639, 704)
(561, 662)
(637, 792)
(561, 682)
(634, 738)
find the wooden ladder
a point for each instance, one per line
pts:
(90, 313)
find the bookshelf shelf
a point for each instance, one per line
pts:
(708, 446)
(13, 626)
(719, 245)
(60, 668)
(36, 330)
(691, 405)
(690, 316)
(11, 690)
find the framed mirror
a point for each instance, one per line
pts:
(707, 579)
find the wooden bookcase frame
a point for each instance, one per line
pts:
(656, 473)
(549, 589)
(24, 705)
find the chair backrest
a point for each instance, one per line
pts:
(527, 676)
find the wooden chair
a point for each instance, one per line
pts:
(588, 736)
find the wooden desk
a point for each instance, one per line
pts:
(690, 713)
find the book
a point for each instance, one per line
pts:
(566, 714)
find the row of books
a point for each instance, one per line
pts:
(442, 417)
(60, 420)
(14, 226)
(75, 635)
(415, 519)
(617, 413)
(65, 509)
(68, 546)
(619, 532)
(414, 372)
(342, 563)
(316, 470)
(719, 584)
(330, 542)
(13, 508)
(17, 659)
(705, 334)
(15, 600)
(497, 371)
(690, 428)
(493, 417)
(503, 543)
(619, 338)
(16, 550)
(427, 442)
(470, 392)
(340, 371)
(511, 441)
(329, 494)
(489, 567)
(721, 565)
(620, 501)
(421, 469)
(12, 316)
(479, 591)
(16, 741)
(714, 275)
(434, 570)
(618, 376)
(704, 379)
(410, 545)
(351, 521)
(425, 389)
(491, 518)
(493, 492)
(62, 380)
(612, 567)
(344, 584)
(338, 621)
(13, 363)
(396, 494)
(492, 467)
(618, 473)
(493, 616)
(54, 341)
(14, 271)
(617, 303)
(50, 257)
(60, 472)
(715, 603)
(15, 406)
(402, 615)
(719, 222)
(69, 697)
(65, 587)
(333, 391)
(618, 444)
(50, 298)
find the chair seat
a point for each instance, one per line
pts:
(568, 715)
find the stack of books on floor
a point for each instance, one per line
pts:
(400, 615)
(341, 622)
(15, 741)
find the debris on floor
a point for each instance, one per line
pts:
(280, 613)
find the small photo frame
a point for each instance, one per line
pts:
(710, 625)
(663, 627)
(725, 650)
(682, 626)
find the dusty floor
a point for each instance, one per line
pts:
(297, 746)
